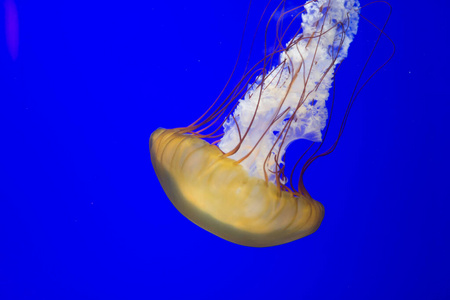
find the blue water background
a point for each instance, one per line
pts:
(82, 214)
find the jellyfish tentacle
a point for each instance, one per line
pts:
(237, 187)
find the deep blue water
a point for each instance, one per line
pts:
(82, 214)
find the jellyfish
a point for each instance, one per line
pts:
(235, 186)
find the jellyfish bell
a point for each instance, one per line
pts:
(219, 195)
(235, 187)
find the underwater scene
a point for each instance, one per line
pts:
(224, 150)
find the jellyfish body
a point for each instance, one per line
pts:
(219, 195)
(237, 190)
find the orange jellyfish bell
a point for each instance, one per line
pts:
(219, 195)
(235, 187)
